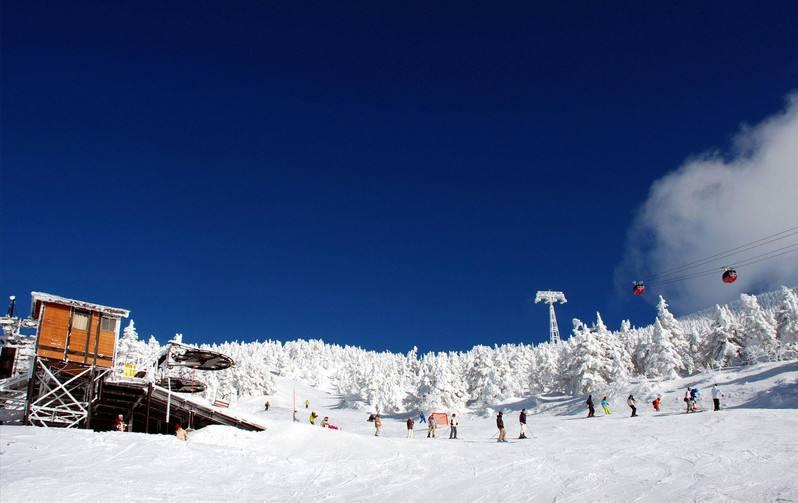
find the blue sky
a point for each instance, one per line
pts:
(385, 175)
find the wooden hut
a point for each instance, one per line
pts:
(76, 331)
(75, 349)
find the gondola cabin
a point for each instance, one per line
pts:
(729, 276)
(76, 331)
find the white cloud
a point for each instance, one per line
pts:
(714, 203)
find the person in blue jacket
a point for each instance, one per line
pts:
(694, 399)
(421, 418)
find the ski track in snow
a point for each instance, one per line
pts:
(738, 454)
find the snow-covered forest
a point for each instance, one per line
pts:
(594, 359)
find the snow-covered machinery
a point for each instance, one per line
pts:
(177, 356)
(153, 399)
(16, 355)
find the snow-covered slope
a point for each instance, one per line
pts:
(745, 452)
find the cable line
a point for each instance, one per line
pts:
(727, 253)
(791, 248)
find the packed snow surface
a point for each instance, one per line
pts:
(745, 452)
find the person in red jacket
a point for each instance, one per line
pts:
(657, 403)
(120, 424)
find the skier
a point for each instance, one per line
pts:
(656, 403)
(377, 425)
(522, 420)
(716, 394)
(687, 400)
(591, 411)
(307, 403)
(453, 427)
(421, 418)
(694, 399)
(180, 433)
(631, 403)
(266, 407)
(500, 425)
(410, 433)
(313, 417)
(605, 404)
(120, 423)
(432, 424)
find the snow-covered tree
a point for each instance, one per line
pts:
(593, 359)
(723, 343)
(663, 359)
(685, 345)
(759, 334)
(482, 378)
(130, 349)
(546, 374)
(589, 365)
(787, 322)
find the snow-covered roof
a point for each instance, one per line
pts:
(48, 297)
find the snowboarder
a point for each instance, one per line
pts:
(410, 423)
(120, 424)
(180, 433)
(687, 400)
(313, 417)
(631, 403)
(605, 404)
(716, 394)
(522, 420)
(432, 425)
(591, 411)
(307, 403)
(656, 403)
(266, 406)
(377, 425)
(421, 418)
(325, 422)
(500, 426)
(453, 427)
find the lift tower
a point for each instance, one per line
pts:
(550, 298)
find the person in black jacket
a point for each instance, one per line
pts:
(591, 411)
(522, 420)
(500, 425)
(631, 403)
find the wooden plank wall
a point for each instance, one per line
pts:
(53, 331)
(93, 346)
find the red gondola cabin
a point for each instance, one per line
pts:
(729, 276)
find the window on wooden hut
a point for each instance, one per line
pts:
(80, 321)
(109, 324)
